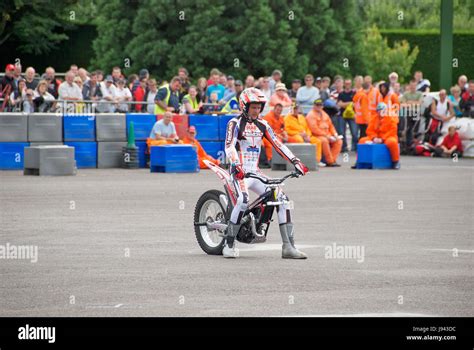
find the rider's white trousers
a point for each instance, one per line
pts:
(241, 188)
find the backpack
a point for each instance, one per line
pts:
(349, 112)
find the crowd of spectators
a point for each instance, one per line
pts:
(342, 99)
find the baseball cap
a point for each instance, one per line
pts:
(318, 79)
(297, 81)
(143, 73)
(230, 77)
(109, 79)
(238, 82)
(10, 67)
(318, 101)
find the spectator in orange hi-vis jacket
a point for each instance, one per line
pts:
(390, 98)
(298, 131)
(277, 123)
(361, 105)
(190, 139)
(163, 132)
(383, 128)
(321, 127)
(373, 96)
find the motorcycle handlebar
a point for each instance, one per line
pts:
(267, 181)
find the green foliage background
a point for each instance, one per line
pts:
(428, 60)
(238, 37)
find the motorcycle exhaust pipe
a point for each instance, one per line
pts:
(253, 226)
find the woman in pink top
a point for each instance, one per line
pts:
(280, 96)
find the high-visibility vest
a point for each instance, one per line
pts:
(392, 102)
(361, 107)
(194, 104)
(158, 109)
(228, 106)
(374, 99)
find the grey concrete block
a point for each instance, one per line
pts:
(45, 127)
(46, 143)
(109, 154)
(49, 160)
(13, 127)
(111, 127)
(306, 152)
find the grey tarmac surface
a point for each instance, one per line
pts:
(121, 243)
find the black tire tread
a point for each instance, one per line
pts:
(211, 194)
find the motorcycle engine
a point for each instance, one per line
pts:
(245, 234)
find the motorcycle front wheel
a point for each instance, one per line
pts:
(209, 209)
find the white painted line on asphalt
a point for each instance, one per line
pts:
(259, 247)
(382, 314)
(452, 250)
(104, 306)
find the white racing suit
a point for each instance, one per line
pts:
(242, 146)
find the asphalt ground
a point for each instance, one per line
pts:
(121, 243)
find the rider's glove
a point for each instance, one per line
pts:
(299, 166)
(237, 171)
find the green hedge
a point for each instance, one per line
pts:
(428, 60)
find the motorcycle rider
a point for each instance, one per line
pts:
(242, 146)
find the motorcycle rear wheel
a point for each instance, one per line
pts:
(209, 209)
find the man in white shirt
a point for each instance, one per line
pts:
(69, 91)
(150, 96)
(122, 94)
(108, 90)
(265, 88)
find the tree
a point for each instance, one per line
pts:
(262, 40)
(340, 51)
(35, 24)
(385, 59)
(415, 14)
(114, 23)
(166, 37)
(255, 37)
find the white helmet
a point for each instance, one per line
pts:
(251, 95)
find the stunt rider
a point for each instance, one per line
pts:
(242, 147)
